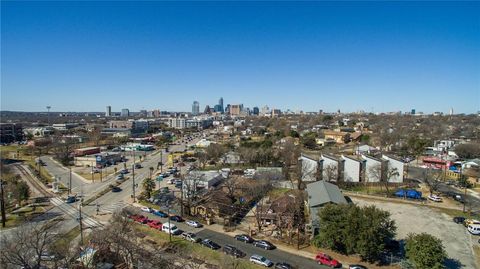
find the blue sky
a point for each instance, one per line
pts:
(380, 56)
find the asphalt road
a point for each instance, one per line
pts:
(274, 255)
(471, 201)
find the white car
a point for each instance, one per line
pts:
(434, 198)
(146, 209)
(191, 237)
(474, 229)
(260, 260)
(193, 223)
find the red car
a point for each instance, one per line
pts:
(324, 259)
(139, 218)
(155, 224)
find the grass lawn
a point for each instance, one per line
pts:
(275, 193)
(211, 256)
(21, 215)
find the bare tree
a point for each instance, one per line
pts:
(231, 186)
(433, 179)
(331, 173)
(121, 243)
(26, 244)
(382, 174)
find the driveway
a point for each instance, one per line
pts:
(417, 219)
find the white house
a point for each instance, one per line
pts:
(371, 166)
(394, 163)
(330, 167)
(309, 168)
(352, 169)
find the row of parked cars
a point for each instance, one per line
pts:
(472, 225)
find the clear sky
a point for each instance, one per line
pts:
(380, 56)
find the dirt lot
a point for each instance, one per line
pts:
(417, 219)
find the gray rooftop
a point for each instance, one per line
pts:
(322, 192)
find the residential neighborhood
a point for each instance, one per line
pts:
(240, 135)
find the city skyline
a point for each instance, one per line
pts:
(370, 56)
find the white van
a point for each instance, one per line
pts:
(170, 228)
(474, 229)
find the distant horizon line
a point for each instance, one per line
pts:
(417, 112)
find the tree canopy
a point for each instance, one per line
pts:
(425, 251)
(350, 229)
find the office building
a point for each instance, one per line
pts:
(220, 104)
(11, 132)
(413, 112)
(195, 108)
(108, 112)
(256, 111)
(235, 110)
(207, 110)
(125, 112)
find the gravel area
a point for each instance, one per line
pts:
(417, 219)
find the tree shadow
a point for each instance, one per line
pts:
(453, 263)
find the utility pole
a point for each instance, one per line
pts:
(169, 227)
(161, 161)
(2, 203)
(81, 220)
(70, 181)
(133, 176)
(93, 178)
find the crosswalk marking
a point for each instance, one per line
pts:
(111, 208)
(73, 212)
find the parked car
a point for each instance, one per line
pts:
(324, 259)
(244, 238)
(434, 198)
(471, 221)
(160, 213)
(260, 260)
(116, 189)
(193, 223)
(283, 265)
(155, 224)
(356, 266)
(474, 229)
(191, 237)
(459, 220)
(146, 209)
(459, 198)
(233, 251)
(119, 177)
(124, 171)
(176, 218)
(171, 228)
(210, 244)
(139, 218)
(45, 256)
(138, 166)
(263, 244)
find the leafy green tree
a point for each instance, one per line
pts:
(350, 229)
(22, 191)
(425, 251)
(148, 186)
(309, 140)
(376, 228)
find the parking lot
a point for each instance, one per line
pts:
(417, 219)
